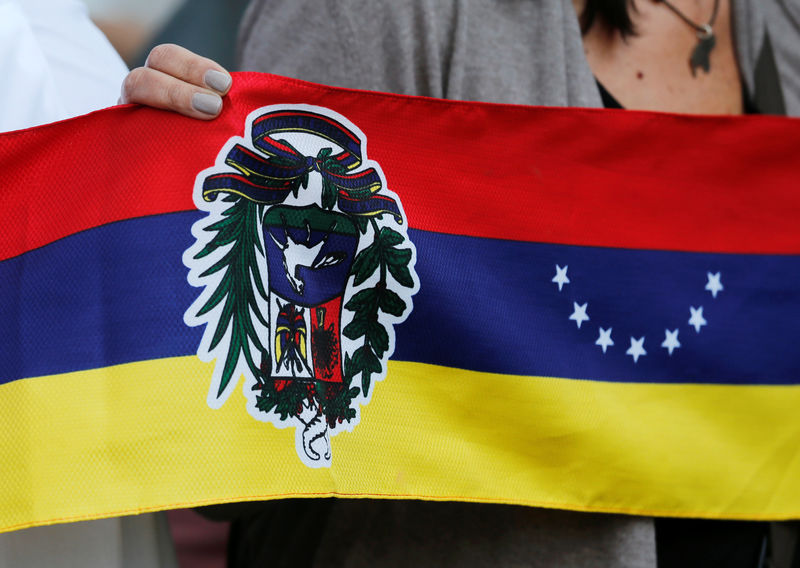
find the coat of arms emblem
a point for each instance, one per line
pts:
(306, 265)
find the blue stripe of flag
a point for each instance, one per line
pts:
(117, 294)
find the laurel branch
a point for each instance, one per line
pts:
(239, 229)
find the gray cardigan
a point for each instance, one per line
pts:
(512, 51)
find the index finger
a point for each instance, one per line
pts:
(179, 62)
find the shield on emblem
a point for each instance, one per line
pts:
(309, 252)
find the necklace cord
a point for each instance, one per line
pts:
(689, 21)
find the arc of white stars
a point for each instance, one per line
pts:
(697, 320)
(636, 349)
(671, 340)
(579, 313)
(714, 284)
(561, 277)
(604, 340)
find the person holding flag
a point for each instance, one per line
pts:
(657, 55)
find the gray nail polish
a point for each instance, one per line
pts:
(207, 103)
(217, 80)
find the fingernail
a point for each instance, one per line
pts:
(217, 80)
(207, 103)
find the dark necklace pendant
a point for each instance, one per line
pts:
(701, 55)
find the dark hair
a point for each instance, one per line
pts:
(614, 13)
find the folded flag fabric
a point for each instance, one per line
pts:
(334, 292)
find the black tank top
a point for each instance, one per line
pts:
(609, 101)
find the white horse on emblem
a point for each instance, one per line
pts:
(297, 254)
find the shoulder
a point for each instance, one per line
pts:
(782, 22)
(768, 46)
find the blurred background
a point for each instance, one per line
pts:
(207, 27)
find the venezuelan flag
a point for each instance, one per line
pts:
(606, 308)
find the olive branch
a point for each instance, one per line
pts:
(382, 256)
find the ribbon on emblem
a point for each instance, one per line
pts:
(270, 178)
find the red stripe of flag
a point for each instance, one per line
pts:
(572, 176)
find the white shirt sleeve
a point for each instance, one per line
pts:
(54, 62)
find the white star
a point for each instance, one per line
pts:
(697, 319)
(714, 285)
(636, 349)
(604, 340)
(671, 340)
(579, 313)
(561, 277)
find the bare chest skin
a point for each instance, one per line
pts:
(651, 71)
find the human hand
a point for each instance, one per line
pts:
(174, 78)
